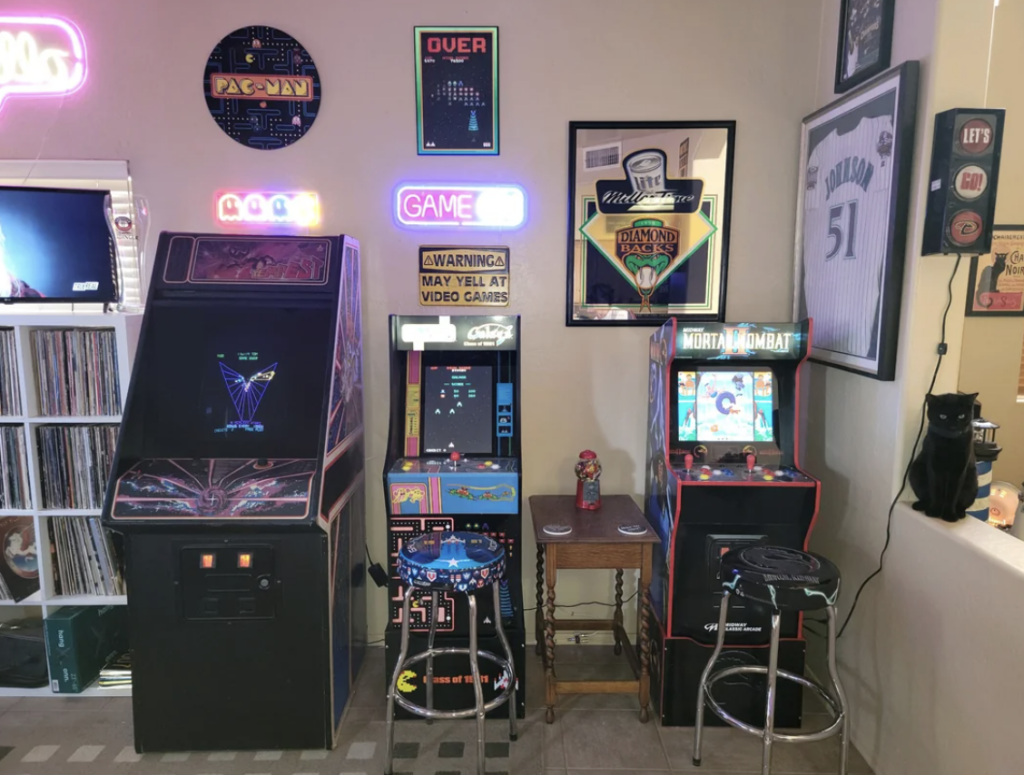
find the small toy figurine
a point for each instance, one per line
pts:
(588, 488)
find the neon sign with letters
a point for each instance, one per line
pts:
(40, 56)
(445, 204)
(295, 208)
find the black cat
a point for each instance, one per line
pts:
(989, 280)
(944, 476)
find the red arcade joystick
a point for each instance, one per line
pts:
(688, 461)
(454, 457)
(750, 463)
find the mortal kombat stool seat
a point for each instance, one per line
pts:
(454, 562)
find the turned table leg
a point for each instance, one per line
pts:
(645, 641)
(550, 692)
(538, 618)
(618, 610)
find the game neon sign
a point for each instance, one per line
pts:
(296, 208)
(445, 204)
(40, 56)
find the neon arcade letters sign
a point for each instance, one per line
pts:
(486, 206)
(40, 56)
(297, 208)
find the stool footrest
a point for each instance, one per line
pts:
(807, 737)
(419, 710)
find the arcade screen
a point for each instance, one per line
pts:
(55, 245)
(725, 406)
(458, 410)
(237, 383)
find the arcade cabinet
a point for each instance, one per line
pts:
(238, 487)
(723, 473)
(454, 463)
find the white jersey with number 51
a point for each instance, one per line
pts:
(846, 227)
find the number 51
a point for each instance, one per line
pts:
(838, 237)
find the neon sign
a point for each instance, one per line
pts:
(40, 56)
(493, 206)
(296, 208)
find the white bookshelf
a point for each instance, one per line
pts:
(126, 328)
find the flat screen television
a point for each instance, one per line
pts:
(725, 406)
(55, 246)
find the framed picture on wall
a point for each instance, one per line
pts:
(865, 41)
(996, 286)
(854, 188)
(457, 91)
(649, 206)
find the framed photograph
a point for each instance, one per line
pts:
(647, 242)
(457, 91)
(996, 287)
(854, 189)
(865, 41)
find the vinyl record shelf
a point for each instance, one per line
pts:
(29, 416)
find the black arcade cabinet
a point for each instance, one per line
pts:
(238, 486)
(454, 463)
(722, 473)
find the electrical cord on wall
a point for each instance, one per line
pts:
(942, 349)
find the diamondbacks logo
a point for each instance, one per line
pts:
(646, 249)
(812, 178)
(884, 146)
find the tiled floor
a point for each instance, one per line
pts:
(596, 735)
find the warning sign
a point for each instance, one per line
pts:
(464, 277)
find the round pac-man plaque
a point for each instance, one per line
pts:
(262, 88)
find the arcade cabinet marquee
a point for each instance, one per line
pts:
(454, 463)
(722, 473)
(238, 485)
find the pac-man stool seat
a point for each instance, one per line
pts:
(783, 580)
(454, 562)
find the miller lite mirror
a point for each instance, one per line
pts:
(963, 181)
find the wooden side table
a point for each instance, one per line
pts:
(593, 543)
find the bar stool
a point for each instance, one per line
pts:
(459, 562)
(784, 580)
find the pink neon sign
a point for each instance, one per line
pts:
(297, 208)
(483, 205)
(40, 56)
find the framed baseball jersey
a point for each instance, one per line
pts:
(851, 222)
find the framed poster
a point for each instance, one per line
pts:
(262, 87)
(645, 242)
(854, 188)
(996, 287)
(457, 91)
(865, 41)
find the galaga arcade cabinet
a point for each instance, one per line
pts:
(453, 463)
(238, 485)
(723, 473)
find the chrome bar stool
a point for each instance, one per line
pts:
(784, 580)
(459, 562)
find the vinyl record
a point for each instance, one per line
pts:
(19, 547)
(262, 88)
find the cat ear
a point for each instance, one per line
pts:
(973, 396)
(929, 398)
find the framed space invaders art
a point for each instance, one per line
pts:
(262, 88)
(457, 91)
(649, 206)
(865, 41)
(996, 287)
(854, 188)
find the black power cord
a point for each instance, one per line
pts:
(942, 349)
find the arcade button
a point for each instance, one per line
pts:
(704, 477)
(728, 472)
(717, 472)
(758, 469)
(558, 529)
(633, 529)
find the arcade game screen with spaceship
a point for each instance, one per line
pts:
(251, 389)
(458, 410)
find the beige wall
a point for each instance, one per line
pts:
(928, 694)
(596, 59)
(992, 346)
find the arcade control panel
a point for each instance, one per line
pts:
(749, 472)
(456, 485)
